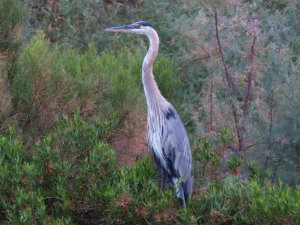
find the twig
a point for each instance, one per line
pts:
(271, 119)
(230, 89)
(211, 101)
(146, 221)
(247, 97)
(227, 74)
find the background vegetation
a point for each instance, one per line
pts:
(230, 67)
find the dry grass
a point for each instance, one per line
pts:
(130, 140)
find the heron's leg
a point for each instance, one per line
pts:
(162, 172)
(166, 180)
(183, 200)
(163, 179)
(179, 191)
(162, 176)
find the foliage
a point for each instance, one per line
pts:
(166, 75)
(58, 174)
(261, 101)
(52, 82)
(68, 99)
(79, 23)
(236, 201)
(11, 17)
(215, 157)
(70, 177)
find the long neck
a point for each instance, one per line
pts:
(152, 92)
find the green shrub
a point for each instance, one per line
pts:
(50, 82)
(20, 201)
(70, 173)
(214, 157)
(12, 14)
(237, 201)
(58, 177)
(122, 72)
(71, 177)
(167, 77)
(40, 86)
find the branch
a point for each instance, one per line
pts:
(211, 101)
(227, 74)
(248, 95)
(230, 89)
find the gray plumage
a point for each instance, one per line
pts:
(167, 137)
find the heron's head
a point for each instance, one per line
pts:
(140, 27)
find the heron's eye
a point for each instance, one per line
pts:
(138, 26)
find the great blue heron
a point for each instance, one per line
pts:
(167, 137)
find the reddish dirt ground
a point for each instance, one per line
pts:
(130, 140)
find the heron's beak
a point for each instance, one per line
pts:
(125, 28)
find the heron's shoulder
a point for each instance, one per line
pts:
(170, 113)
(172, 120)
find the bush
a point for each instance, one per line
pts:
(70, 177)
(59, 177)
(259, 41)
(12, 15)
(237, 201)
(21, 202)
(167, 77)
(51, 82)
(71, 174)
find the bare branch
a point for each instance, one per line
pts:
(248, 95)
(211, 101)
(230, 86)
(227, 74)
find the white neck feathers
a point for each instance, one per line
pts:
(153, 95)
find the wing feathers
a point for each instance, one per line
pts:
(177, 148)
